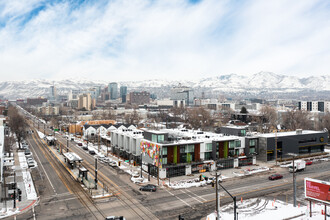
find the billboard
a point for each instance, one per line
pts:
(317, 190)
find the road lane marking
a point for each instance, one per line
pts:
(179, 198)
(196, 195)
(43, 168)
(191, 196)
(59, 175)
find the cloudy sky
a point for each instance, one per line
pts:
(167, 39)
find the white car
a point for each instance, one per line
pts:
(31, 163)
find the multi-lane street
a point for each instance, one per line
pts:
(61, 197)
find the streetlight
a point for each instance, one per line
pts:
(217, 202)
(141, 164)
(294, 178)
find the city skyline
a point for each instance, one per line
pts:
(181, 39)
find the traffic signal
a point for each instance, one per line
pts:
(212, 183)
(19, 198)
(19, 191)
(119, 163)
(134, 163)
(200, 177)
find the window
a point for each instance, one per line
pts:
(238, 144)
(154, 138)
(164, 150)
(243, 132)
(252, 150)
(160, 138)
(231, 144)
(164, 160)
(252, 142)
(208, 155)
(208, 147)
(190, 149)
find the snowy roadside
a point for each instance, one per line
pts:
(260, 209)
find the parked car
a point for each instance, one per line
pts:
(115, 218)
(112, 163)
(309, 162)
(84, 147)
(27, 152)
(91, 151)
(31, 163)
(149, 187)
(79, 144)
(275, 176)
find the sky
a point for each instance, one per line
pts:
(125, 40)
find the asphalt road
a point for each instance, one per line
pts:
(195, 203)
(56, 201)
(192, 203)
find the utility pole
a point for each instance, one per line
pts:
(44, 128)
(294, 179)
(67, 144)
(98, 147)
(276, 146)
(95, 173)
(15, 190)
(141, 164)
(294, 185)
(217, 203)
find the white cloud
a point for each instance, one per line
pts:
(140, 39)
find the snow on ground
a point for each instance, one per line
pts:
(29, 186)
(28, 182)
(260, 209)
(251, 171)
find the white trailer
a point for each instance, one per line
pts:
(299, 165)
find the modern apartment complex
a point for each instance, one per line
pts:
(314, 106)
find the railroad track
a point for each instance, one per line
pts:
(67, 180)
(135, 206)
(139, 210)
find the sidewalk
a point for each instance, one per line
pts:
(24, 183)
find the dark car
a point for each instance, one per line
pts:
(149, 187)
(275, 176)
(115, 218)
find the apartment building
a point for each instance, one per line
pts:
(314, 106)
(139, 98)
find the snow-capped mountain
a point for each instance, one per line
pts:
(232, 83)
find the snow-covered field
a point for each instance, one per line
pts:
(261, 209)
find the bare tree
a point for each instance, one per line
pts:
(132, 118)
(297, 119)
(268, 117)
(17, 124)
(199, 118)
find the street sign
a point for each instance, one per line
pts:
(56, 129)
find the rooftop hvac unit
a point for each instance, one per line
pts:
(299, 131)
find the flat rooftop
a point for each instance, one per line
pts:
(290, 133)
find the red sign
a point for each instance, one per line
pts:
(317, 190)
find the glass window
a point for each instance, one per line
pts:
(164, 150)
(231, 144)
(160, 138)
(252, 142)
(252, 150)
(243, 132)
(164, 161)
(238, 144)
(190, 148)
(154, 138)
(208, 155)
(208, 147)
